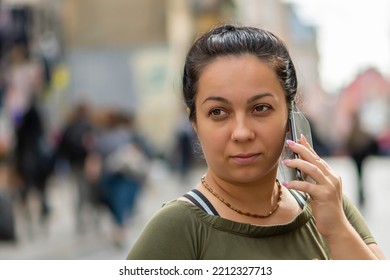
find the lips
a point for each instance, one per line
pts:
(244, 159)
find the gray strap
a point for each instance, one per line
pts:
(201, 201)
(300, 197)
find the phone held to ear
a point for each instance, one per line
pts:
(298, 125)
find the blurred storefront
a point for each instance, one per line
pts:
(129, 54)
(366, 99)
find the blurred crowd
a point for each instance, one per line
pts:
(99, 149)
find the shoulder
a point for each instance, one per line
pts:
(357, 220)
(175, 212)
(170, 234)
(350, 209)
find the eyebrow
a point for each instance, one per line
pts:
(250, 100)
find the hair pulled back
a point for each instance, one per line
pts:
(227, 40)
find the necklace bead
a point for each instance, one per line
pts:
(274, 208)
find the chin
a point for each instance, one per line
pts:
(245, 176)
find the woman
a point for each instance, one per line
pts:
(239, 84)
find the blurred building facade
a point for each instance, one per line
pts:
(129, 54)
(366, 98)
(134, 50)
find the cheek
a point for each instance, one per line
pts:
(273, 133)
(277, 131)
(211, 140)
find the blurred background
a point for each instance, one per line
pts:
(86, 83)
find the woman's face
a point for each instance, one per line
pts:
(241, 118)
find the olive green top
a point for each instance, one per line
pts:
(182, 231)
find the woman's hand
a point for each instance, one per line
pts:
(327, 206)
(325, 192)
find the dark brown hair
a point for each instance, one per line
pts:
(228, 40)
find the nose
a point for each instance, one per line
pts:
(242, 130)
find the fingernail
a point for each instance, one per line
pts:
(286, 161)
(285, 184)
(290, 143)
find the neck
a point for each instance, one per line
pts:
(261, 187)
(258, 196)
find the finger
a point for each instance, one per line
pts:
(325, 192)
(302, 186)
(303, 141)
(314, 192)
(306, 153)
(312, 170)
(313, 155)
(303, 150)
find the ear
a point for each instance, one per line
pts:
(194, 127)
(193, 124)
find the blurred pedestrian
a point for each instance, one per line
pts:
(184, 149)
(34, 159)
(75, 145)
(319, 143)
(124, 167)
(7, 214)
(360, 145)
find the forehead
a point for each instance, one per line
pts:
(238, 74)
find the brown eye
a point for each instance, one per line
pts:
(216, 112)
(261, 108)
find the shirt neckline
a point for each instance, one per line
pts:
(250, 230)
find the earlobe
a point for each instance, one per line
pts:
(194, 127)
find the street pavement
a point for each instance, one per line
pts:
(60, 238)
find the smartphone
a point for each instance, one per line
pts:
(299, 125)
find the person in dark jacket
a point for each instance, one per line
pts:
(75, 145)
(33, 158)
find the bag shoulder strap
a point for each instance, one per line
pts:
(300, 197)
(201, 201)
